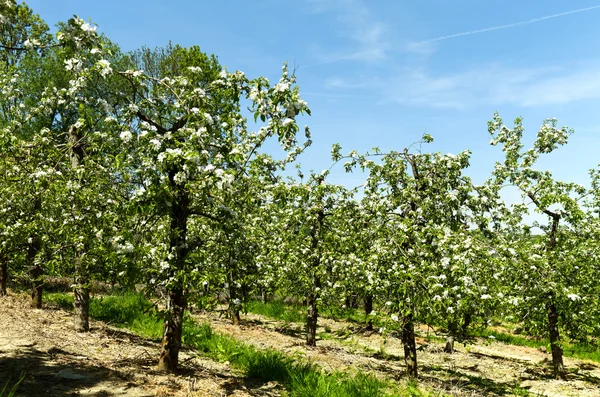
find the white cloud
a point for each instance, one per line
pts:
(495, 85)
(487, 85)
(367, 34)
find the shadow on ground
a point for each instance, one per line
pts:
(55, 373)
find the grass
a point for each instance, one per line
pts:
(13, 390)
(278, 310)
(295, 313)
(299, 377)
(577, 350)
(131, 311)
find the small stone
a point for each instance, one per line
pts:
(543, 349)
(69, 374)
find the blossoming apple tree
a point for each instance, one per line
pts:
(190, 139)
(554, 292)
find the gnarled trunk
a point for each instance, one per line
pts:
(173, 327)
(410, 347)
(557, 352)
(177, 302)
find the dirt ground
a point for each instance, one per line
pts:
(481, 369)
(56, 361)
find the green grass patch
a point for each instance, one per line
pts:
(299, 377)
(59, 299)
(131, 311)
(278, 310)
(295, 313)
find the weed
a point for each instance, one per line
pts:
(13, 390)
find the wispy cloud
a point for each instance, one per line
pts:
(494, 85)
(367, 34)
(508, 26)
(486, 85)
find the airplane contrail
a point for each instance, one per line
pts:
(512, 25)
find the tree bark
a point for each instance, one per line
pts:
(35, 273)
(311, 299)
(3, 276)
(451, 338)
(173, 327)
(81, 292)
(557, 352)
(410, 347)
(551, 309)
(449, 348)
(311, 320)
(81, 302)
(33, 263)
(368, 310)
(177, 302)
(81, 295)
(234, 309)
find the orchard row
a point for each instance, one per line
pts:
(148, 167)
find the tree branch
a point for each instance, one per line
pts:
(147, 119)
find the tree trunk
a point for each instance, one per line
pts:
(173, 327)
(368, 310)
(176, 305)
(81, 295)
(234, 307)
(449, 348)
(410, 347)
(454, 333)
(311, 299)
(35, 272)
(557, 352)
(451, 338)
(3, 276)
(311, 320)
(467, 319)
(34, 265)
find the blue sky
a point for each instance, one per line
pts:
(383, 73)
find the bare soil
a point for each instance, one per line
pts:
(57, 361)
